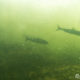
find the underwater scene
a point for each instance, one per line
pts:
(39, 39)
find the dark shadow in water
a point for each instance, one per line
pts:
(20, 63)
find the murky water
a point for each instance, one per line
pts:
(21, 59)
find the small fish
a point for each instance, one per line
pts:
(71, 31)
(36, 40)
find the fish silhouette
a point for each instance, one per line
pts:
(71, 31)
(36, 40)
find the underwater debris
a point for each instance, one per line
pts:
(36, 40)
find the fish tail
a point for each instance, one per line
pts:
(58, 28)
(27, 38)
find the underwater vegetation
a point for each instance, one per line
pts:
(19, 62)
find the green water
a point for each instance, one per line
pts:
(26, 60)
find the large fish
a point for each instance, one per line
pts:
(71, 31)
(36, 40)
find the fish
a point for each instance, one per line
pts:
(70, 31)
(36, 40)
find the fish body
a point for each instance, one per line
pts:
(71, 31)
(37, 40)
